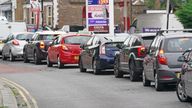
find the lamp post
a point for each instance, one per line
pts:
(42, 17)
(168, 11)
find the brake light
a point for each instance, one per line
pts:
(141, 51)
(64, 47)
(161, 58)
(102, 51)
(42, 45)
(15, 42)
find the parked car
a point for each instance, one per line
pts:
(129, 60)
(36, 49)
(98, 53)
(184, 85)
(14, 44)
(160, 64)
(65, 49)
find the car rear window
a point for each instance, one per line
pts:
(113, 44)
(147, 40)
(24, 36)
(77, 40)
(47, 36)
(177, 44)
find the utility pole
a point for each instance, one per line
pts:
(125, 16)
(131, 10)
(168, 11)
(42, 17)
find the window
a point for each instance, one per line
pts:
(32, 19)
(137, 42)
(127, 41)
(76, 39)
(49, 16)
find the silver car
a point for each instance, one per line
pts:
(14, 44)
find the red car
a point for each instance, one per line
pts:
(66, 49)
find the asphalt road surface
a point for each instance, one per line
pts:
(68, 88)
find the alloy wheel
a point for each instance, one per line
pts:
(158, 86)
(117, 72)
(145, 81)
(60, 65)
(181, 94)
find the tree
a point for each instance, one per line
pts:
(184, 14)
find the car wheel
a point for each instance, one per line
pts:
(49, 64)
(96, 71)
(36, 59)
(4, 57)
(25, 58)
(158, 86)
(11, 57)
(133, 73)
(181, 94)
(117, 72)
(59, 64)
(145, 81)
(82, 69)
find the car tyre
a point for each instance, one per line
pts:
(59, 64)
(133, 73)
(96, 71)
(180, 91)
(11, 57)
(49, 64)
(4, 57)
(25, 58)
(158, 85)
(36, 59)
(117, 72)
(146, 82)
(82, 69)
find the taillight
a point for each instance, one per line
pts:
(42, 45)
(141, 51)
(64, 47)
(102, 51)
(15, 42)
(161, 58)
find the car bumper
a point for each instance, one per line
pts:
(105, 62)
(69, 58)
(169, 76)
(17, 51)
(42, 54)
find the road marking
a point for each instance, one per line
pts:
(23, 92)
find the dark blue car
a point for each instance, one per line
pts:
(98, 53)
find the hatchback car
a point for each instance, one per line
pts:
(129, 60)
(65, 49)
(184, 85)
(14, 44)
(160, 64)
(98, 53)
(36, 49)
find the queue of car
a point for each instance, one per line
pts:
(163, 58)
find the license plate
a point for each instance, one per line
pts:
(76, 57)
(178, 74)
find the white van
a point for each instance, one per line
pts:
(9, 27)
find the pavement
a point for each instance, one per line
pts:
(13, 95)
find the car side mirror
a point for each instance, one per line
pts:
(27, 40)
(181, 59)
(119, 46)
(82, 46)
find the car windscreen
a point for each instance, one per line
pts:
(24, 36)
(47, 36)
(177, 44)
(77, 40)
(147, 40)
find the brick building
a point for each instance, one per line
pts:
(70, 12)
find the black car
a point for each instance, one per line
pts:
(98, 53)
(160, 64)
(131, 54)
(37, 48)
(184, 85)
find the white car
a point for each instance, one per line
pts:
(14, 44)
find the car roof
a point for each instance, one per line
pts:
(145, 34)
(16, 33)
(178, 34)
(116, 38)
(50, 32)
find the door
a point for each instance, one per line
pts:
(122, 54)
(149, 60)
(8, 44)
(188, 75)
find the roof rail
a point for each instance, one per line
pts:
(173, 30)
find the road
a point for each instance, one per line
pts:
(68, 88)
